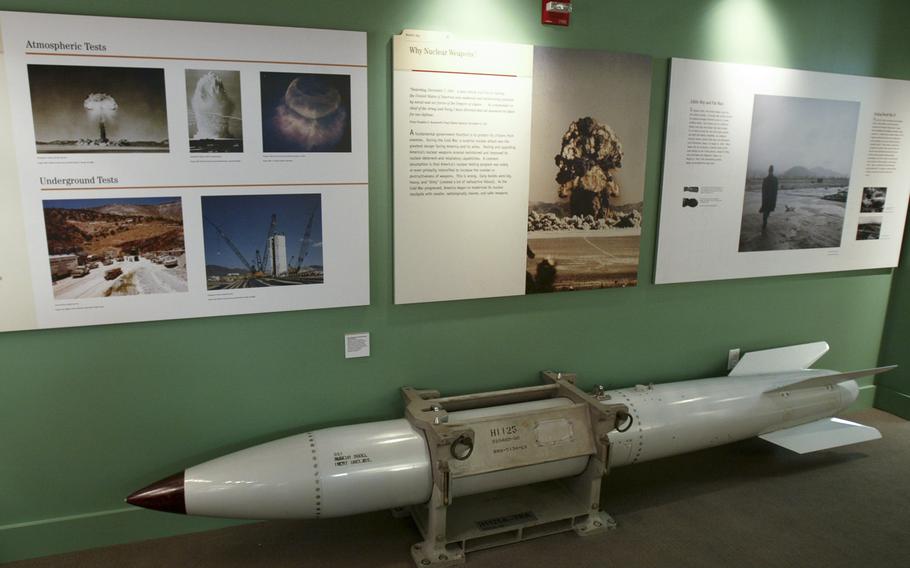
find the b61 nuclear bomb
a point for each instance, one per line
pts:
(340, 471)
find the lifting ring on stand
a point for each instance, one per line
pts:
(462, 448)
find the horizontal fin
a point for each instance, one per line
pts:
(821, 435)
(832, 379)
(780, 360)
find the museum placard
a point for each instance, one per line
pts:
(771, 171)
(518, 169)
(164, 169)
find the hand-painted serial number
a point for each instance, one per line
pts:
(501, 431)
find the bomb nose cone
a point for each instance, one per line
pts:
(164, 495)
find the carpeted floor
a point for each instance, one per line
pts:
(743, 505)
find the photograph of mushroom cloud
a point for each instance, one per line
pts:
(305, 112)
(79, 109)
(589, 132)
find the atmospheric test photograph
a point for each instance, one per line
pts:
(798, 173)
(115, 247)
(257, 241)
(214, 113)
(305, 112)
(587, 169)
(82, 109)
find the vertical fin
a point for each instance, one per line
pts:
(780, 360)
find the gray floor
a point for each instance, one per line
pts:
(746, 504)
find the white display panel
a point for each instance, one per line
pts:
(517, 169)
(771, 171)
(170, 169)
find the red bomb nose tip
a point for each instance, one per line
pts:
(165, 495)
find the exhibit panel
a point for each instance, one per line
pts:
(518, 169)
(771, 171)
(167, 170)
(462, 122)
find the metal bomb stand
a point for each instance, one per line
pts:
(494, 444)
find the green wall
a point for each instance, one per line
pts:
(893, 390)
(89, 414)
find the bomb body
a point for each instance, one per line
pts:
(367, 467)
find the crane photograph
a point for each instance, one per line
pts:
(256, 241)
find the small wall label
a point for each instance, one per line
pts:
(356, 345)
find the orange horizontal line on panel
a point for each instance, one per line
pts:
(170, 58)
(463, 73)
(205, 186)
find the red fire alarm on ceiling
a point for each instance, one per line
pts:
(556, 13)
